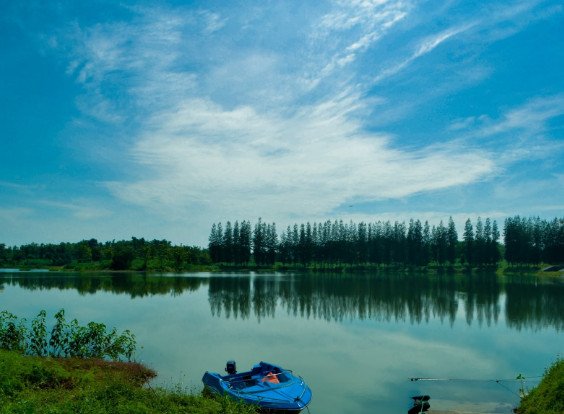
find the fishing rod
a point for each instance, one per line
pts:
(519, 378)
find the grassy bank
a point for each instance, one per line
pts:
(73, 385)
(548, 396)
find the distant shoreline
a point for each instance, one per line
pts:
(315, 268)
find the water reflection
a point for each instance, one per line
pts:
(403, 298)
(482, 298)
(132, 284)
(533, 306)
(526, 302)
(230, 296)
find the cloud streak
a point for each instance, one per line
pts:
(365, 21)
(424, 47)
(201, 150)
(251, 163)
(224, 118)
(526, 127)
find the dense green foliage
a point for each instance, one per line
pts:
(64, 339)
(54, 385)
(231, 246)
(526, 242)
(380, 243)
(134, 254)
(547, 397)
(532, 241)
(481, 248)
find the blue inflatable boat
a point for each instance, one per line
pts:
(269, 386)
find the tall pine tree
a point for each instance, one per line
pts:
(468, 238)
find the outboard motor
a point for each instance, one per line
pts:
(231, 367)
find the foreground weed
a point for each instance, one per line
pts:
(65, 339)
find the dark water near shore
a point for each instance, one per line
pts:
(356, 339)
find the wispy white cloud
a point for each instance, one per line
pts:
(534, 190)
(234, 129)
(82, 210)
(18, 186)
(364, 22)
(249, 163)
(531, 117)
(493, 22)
(501, 21)
(424, 47)
(213, 21)
(519, 133)
(98, 107)
(14, 213)
(197, 152)
(127, 67)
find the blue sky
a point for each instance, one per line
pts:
(156, 119)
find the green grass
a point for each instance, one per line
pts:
(548, 396)
(70, 385)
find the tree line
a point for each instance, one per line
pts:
(526, 241)
(134, 254)
(530, 241)
(337, 242)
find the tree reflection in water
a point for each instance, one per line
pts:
(528, 302)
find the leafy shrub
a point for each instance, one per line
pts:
(65, 339)
(12, 336)
(37, 336)
(59, 340)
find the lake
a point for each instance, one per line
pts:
(357, 339)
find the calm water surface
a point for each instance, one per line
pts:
(356, 339)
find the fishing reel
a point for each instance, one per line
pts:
(420, 404)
